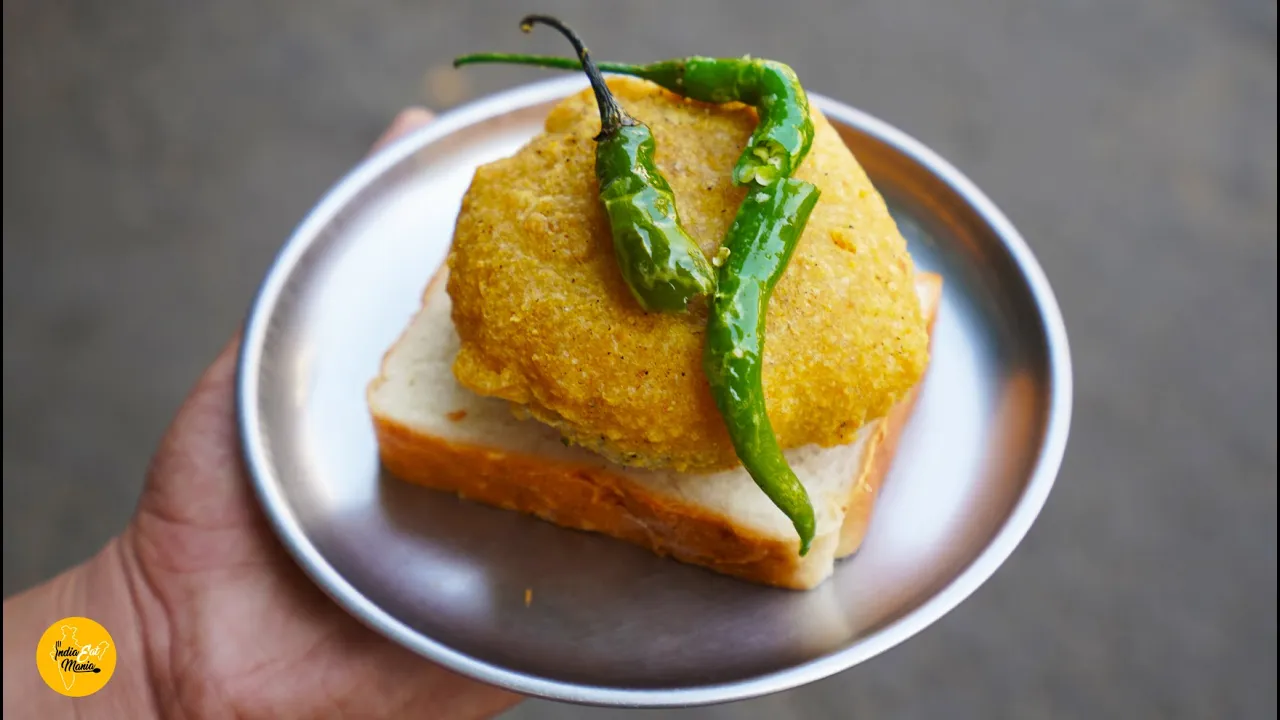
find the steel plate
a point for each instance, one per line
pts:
(610, 624)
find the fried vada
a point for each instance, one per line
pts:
(546, 323)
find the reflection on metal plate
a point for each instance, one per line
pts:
(609, 623)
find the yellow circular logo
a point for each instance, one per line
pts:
(76, 656)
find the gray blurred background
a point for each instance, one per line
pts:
(156, 155)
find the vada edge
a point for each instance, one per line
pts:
(433, 432)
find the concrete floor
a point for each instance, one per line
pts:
(156, 155)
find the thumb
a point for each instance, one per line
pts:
(197, 475)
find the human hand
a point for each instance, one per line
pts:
(224, 624)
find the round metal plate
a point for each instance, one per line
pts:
(608, 623)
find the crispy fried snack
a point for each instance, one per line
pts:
(547, 322)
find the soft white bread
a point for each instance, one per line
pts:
(431, 431)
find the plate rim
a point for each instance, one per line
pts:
(320, 571)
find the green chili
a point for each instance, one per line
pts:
(760, 243)
(660, 262)
(785, 131)
(756, 250)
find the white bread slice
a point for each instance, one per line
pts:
(432, 431)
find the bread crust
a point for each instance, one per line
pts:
(596, 499)
(875, 467)
(593, 499)
(879, 457)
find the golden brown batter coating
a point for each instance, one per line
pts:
(547, 323)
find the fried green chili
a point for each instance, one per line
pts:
(757, 248)
(781, 139)
(760, 242)
(660, 262)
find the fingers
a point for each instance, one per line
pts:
(408, 120)
(196, 476)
